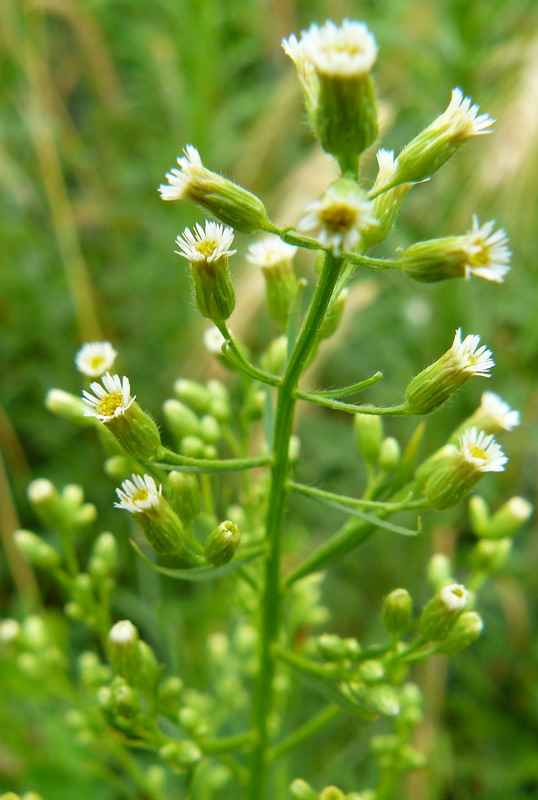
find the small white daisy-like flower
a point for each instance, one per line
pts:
(213, 340)
(488, 254)
(481, 451)
(95, 358)
(209, 243)
(179, 180)
(454, 596)
(123, 633)
(462, 117)
(337, 219)
(139, 494)
(495, 409)
(110, 400)
(344, 51)
(471, 358)
(270, 251)
(296, 50)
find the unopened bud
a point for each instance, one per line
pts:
(389, 455)
(441, 613)
(120, 467)
(104, 558)
(38, 552)
(67, 406)
(274, 257)
(331, 793)
(181, 755)
(210, 429)
(334, 315)
(220, 546)
(439, 570)
(194, 394)
(489, 555)
(274, 358)
(181, 420)
(466, 630)
(397, 611)
(508, 520)
(368, 436)
(479, 515)
(184, 495)
(301, 790)
(122, 648)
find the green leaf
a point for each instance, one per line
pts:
(372, 519)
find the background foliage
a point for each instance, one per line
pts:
(97, 100)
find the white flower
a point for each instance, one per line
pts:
(462, 119)
(205, 244)
(123, 632)
(181, 180)
(337, 219)
(498, 412)
(454, 596)
(346, 51)
(270, 251)
(481, 451)
(95, 358)
(471, 358)
(139, 494)
(488, 255)
(110, 400)
(387, 166)
(213, 340)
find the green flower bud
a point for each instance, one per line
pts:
(104, 558)
(386, 205)
(440, 614)
(67, 406)
(332, 647)
(122, 648)
(227, 201)
(331, 793)
(437, 383)
(193, 394)
(436, 259)
(192, 446)
(192, 722)
(397, 611)
(479, 515)
(210, 429)
(181, 755)
(274, 258)
(439, 141)
(184, 495)
(375, 699)
(160, 524)
(113, 405)
(47, 503)
(121, 706)
(220, 546)
(170, 691)
(389, 455)
(368, 430)
(92, 671)
(508, 520)
(333, 318)
(181, 420)
(466, 630)
(274, 358)
(439, 570)
(38, 552)
(489, 555)
(301, 790)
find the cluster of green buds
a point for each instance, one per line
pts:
(63, 511)
(381, 454)
(25, 796)
(31, 647)
(197, 416)
(301, 790)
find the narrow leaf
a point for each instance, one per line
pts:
(200, 573)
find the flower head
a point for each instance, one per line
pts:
(488, 255)
(180, 180)
(213, 340)
(110, 400)
(338, 218)
(498, 413)
(139, 494)
(205, 244)
(344, 51)
(95, 358)
(454, 596)
(123, 633)
(481, 451)
(471, 358)
(462, 118)
(269, 251)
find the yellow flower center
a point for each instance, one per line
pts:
(207, 247)
(338, 217)
(96, 362)
(477, 452)
(458, 592)
(109, 403)
(482, 257)
(140, 496)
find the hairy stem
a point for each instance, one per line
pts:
(271, 599)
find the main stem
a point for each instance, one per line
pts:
(271, 599)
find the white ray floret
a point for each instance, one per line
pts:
(110, 400)
(208, 243)
(95, 358)
(338, 218)
(462, 118)
(454, 596)
(488, 252)
(345, 51)
(139, 494)
(481, 451)
(213, 340)
(471, 358)
(270, 251)
(496, 409)
(180, 180)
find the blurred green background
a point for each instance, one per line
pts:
(98, 98)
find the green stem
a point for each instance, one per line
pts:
(271, 600)
(168, 459)
(226, 744)
(321, 494)
(236, 357)
(385, 411)
(305, 731)
(344, 391)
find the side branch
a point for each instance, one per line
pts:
(319, 399)
(167, 459)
